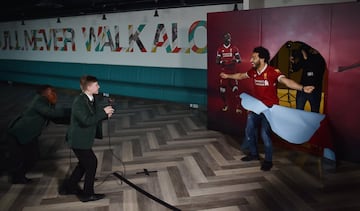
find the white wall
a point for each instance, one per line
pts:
(68, 41)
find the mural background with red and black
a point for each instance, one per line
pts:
(332, 29)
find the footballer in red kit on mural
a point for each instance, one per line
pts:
(227, 56)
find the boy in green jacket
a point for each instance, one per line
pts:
(85, 125)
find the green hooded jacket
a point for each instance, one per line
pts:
(29, 124)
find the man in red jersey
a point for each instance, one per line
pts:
(265, 79)
(228, 56)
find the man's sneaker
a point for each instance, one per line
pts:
(238, 110)
(250, 158)
(266, 165)
(225, 108)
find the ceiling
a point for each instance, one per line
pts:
(36, 9)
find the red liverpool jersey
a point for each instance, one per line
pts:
(265, 88)
(227, 55)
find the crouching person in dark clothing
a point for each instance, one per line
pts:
(24, 130)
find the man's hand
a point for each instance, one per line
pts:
(308, 89)
(224, 75)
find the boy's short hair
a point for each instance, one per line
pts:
(85, 80)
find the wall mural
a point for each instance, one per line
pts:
(175, 39)
(293, 38)
(98, 38)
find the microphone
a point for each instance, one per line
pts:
(111, 101)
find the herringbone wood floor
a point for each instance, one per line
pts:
(190, 167)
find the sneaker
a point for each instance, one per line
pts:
(225, 108)
(250, 158)
(266, 165)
